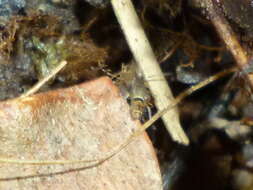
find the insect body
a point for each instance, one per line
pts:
(139, 98)
(133, 88)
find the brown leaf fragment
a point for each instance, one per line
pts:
(78, 123)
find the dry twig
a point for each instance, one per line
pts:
(149, 66)
(227, 35)
(37, 86)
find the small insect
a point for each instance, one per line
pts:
(137, 93)
(133, 88)
(139, 99)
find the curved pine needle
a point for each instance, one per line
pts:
(132, 137)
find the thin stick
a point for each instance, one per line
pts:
(227, 35)
(146, 61)
(38, 85)
(132, 137)
(171, 52)
(186, 93)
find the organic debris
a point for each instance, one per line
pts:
(37, 41)
(192, 40)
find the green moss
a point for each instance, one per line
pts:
(47, 55)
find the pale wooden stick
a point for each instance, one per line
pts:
(149, 66)
(38, 85)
